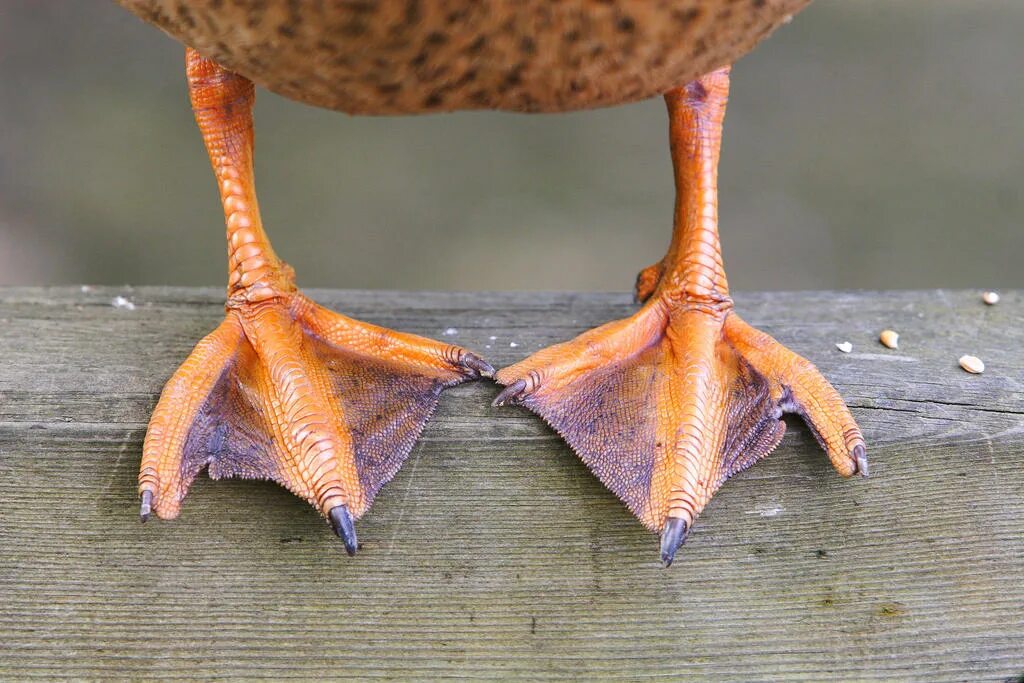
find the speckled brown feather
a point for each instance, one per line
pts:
(413, 56)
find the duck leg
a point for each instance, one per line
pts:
(327, 406)
(666, 405)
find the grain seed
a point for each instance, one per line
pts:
(972, 364)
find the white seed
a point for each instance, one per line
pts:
(121, 302)
(972, 364)
(991, 298)
(845, 347)
(890, 339)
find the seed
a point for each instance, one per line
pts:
(972, 364)
(890, 339)
(845, 347)
(121, 302)
(991, 298)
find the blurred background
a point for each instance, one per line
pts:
(868, 144)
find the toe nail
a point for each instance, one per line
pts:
(475, 362)
(673, 535)
(510, 393)
(860, 455)
(146, 507)
(342, 523)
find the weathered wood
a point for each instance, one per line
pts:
(494, 552)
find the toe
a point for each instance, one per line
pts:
(646, 282)
(450, 363)
(805, 391)
(164, 474)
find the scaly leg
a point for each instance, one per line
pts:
(283, 389)
(666, 405)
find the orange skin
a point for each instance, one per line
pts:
(667, 404)
(663, 406)
(284, 389)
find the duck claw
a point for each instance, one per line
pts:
(477, 365)
(343, 526)
(146, 506)
(672, 537)
(860, 456)
(510, 394)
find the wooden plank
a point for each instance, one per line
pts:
(495, 553)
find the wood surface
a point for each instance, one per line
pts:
(495, 553)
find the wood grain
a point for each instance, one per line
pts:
(494, 553)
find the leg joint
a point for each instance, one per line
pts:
(711, 302)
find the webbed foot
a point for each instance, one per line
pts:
(286, 390)
(327, 406)
(666, 405)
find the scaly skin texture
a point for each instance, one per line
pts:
(663, 406)
(666, 405)
(412, 56)
(284, 389)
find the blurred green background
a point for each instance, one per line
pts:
(868, 144)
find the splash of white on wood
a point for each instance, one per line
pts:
(121, 302)
(770, 510)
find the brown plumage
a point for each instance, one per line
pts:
(410, 56)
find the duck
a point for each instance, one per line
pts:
(662, 406)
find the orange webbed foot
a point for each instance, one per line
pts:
(285, 390)
(666, 405)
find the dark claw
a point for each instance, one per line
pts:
(341, 521)
(673, 535)
(475, 362)
(510, 393)
(147, 505)
(860, 455)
